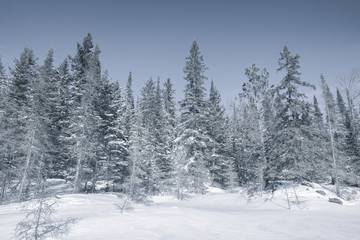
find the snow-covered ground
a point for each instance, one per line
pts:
(215, 215)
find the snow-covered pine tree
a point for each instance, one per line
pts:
(153, 144)
(233, 147)
(289, 160)
(129, 115)
(4, 157)
(349, 84)
(3, 89)
(19, 119)
(48, 110)
(345, 138)
(116, 167)
(160, 130)
(191, 130)
(97, 101)
(170, 121)
(218, 163)
(318, 116)
(138, 179)
(130, 107)
(66, 104)
(331, 124)
(85, 120)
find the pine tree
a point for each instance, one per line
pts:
(151, 121)
(347, 143)
(130, 106)
(3, 89)
(160, 130)
(85, 119)
(191, 131)
(116, 166)
(66, 108)
(218, 162)
(48, 102)
(288, 160)
(169, 121)
(19, 119)
(4, 157)
(331, 125)
(318, 116)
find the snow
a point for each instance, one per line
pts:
(216, 215)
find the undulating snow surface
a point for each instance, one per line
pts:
(215, 215)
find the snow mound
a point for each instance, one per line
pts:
(214, 215)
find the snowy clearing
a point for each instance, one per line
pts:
(215, 215)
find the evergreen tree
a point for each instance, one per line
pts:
(85, 119)
(152, 114)
(66, 108)
(4, 158)
(160, 130)
(192, 132)
(48, 102)
(130, 106)
(288, 160)
(218, 162)
(19, 119)
(3, 89)
(169, 119)
(347, 142)
(318, 116)
(116, 146)
(331, 125)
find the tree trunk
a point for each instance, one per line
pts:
(78, 168)
(333, 153)
(27, 165)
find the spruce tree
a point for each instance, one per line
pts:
(318, 116)
(130, 107)
(116, 166)
(169, 119)
(66, 108)
(331, 121)
(48, 101)
(4, 157)
(192, 132)
(218, 162)
(20, 120)
(85, 119)
(288, 160)
(160, 130)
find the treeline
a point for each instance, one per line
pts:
(72, 122)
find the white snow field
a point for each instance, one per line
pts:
(215, 215)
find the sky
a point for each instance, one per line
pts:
(153, 38)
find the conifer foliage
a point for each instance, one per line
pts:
(73, 122)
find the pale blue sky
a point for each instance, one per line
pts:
(152, 38)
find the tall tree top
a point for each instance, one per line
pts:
(290, 100)
(129, 92)
(290, 64)
(194, 72)
(2, 69)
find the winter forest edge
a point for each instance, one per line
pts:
(71, 122)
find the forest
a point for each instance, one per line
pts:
(71, 122)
